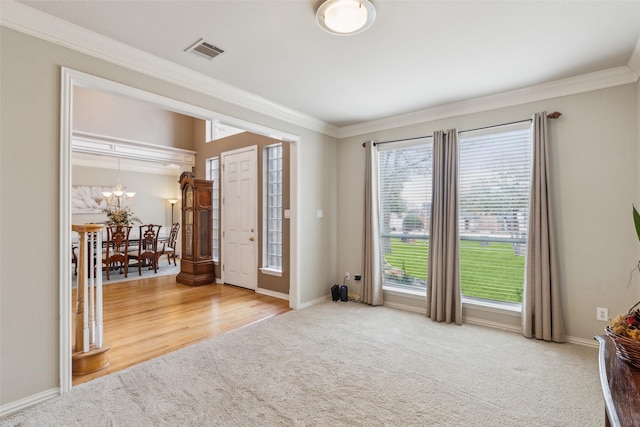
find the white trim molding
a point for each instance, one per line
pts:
(312, 302)
(44, 26)
(49, 28)
(486, 323)
(634, 61)
(582, 341)
(569, 86)
(271, 293)
(64, 279)
(34, 399)
(71, 78)
(84, 142)
(271, 272)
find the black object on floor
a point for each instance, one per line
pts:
(335, 292)
(344, 293)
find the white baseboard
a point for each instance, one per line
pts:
(582, 341)
(489, 324)
(18, 405)
(314, 302)
(274, 294)
(406, 307)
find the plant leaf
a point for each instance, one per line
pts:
(636, 221)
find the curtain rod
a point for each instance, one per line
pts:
(553, 115)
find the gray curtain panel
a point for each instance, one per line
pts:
(444, 300)
(541, 308)
(371, 270)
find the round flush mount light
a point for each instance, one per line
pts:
(345, 17)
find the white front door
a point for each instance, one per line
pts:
(239, 217)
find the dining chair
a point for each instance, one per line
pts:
(169, 245)
(74, 259)
(116, 250)
(147, 251)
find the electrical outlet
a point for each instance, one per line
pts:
(602, 314)
(347, 275)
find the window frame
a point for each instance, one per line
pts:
(500, 132)
(399, 287)
(268, 210)
(502, 307)
(215, 205)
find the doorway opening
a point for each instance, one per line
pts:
(72, 79)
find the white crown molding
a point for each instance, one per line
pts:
(569, 86)
(33, 22)
(44, 26)
(78, 78)
(634, 61)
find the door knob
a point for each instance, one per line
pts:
(251, 239)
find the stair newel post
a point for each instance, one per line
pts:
(90, 352)
(98, 289)
(82, 309)
(91, 285)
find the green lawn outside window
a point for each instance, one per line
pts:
(489, 271)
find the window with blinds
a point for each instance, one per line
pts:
(405, 204)
(494, 186)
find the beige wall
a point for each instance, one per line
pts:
(152, 192)
(595, 164)
(105, 114)
(247, 139)
(30, 195)
(110, 115)
(594, 172)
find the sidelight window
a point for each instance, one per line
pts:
(272, 250)
(213, 174)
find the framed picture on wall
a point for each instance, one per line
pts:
(86, 199)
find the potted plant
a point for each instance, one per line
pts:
(624, 330)
(120, 216)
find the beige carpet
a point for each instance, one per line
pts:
(344, 364)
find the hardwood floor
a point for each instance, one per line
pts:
(147, 318)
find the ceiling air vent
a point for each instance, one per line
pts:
(204, 49)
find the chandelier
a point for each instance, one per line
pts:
(118, 197)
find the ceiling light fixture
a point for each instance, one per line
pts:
(345, 17)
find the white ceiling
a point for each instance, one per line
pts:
(417, 55)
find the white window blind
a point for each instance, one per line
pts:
(405, 204)
(494, 187)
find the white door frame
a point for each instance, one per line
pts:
(254, 261)
(71, 78)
